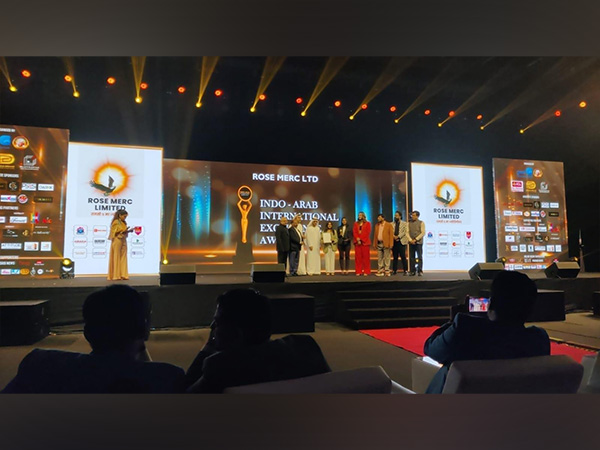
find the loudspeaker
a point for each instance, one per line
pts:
(485, 270)
(177, 274)
(564, 269)
(268, 273)
(23, 322)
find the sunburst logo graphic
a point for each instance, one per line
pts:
(110, 179)
(447, 192)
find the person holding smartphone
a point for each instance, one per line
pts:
(117, 260)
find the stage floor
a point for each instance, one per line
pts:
(241, 278)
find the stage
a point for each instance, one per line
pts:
(193, 305)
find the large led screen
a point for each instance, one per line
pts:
(32, 167)
(101, 180)
(531, 213)
(450, 200)
(225, 214)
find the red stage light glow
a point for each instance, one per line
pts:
(111, 80)
(479, 117)
(451, 113)
(582, 104)
(557, 113)
(393, 108)
(299, 100)
(218, 92)
(363, 106)
(262, 97)
(337, 103)
(144, 86)
(427, 112)
(68, 78)
(26, 73)
(181, 89)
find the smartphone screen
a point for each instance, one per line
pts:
(479, 304)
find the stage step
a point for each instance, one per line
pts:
(399, 302)
(389, 313)
(394, 308)
(405, 322)
(392, 293)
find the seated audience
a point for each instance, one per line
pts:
(500, 335)
(239, 350)
(116, 326)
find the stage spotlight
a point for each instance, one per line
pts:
(392, 108)
(440, 124)
(299, 100)
(396, 120)
(363, 106)
(482, 128)
(219, 92)
(26, 73)
(582, 104)
(303, 113)
(76, 94)
(451, 114)
(144, 86)
(253, 109)
(68, 78)
(479, 117)
(12, 88)
(165, 261)
(351, 117)
(181, 89)
(198, 104)
(337, 103)
(111, 80)
(427, 112)
(138, 99)
(262, 97)
(557, 113)
(521, 131)
(67, 268)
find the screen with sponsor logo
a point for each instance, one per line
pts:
(103, 179)
(32, 168)
(450, 200)
(223, 215)
(531, 214)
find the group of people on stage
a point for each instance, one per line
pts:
(301, 249)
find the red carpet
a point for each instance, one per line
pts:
(413, 339)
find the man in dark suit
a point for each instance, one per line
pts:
(282, 240)
(116, 326)
(239, 350)
(295, 246)
(500, 335)
(344, 245)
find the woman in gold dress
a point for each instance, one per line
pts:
(117, 260)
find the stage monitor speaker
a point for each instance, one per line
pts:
(485, 270)
(563, 269)
(23, 322)
(268, 273)
(177, 274)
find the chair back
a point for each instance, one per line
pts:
(365, 380)
(557, 374)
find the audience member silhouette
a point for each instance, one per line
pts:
(116, 326)
(500, 335)
(239, 350)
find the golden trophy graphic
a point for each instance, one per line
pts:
(244, 205)
(243, 252)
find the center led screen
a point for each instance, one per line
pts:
(225, 214)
